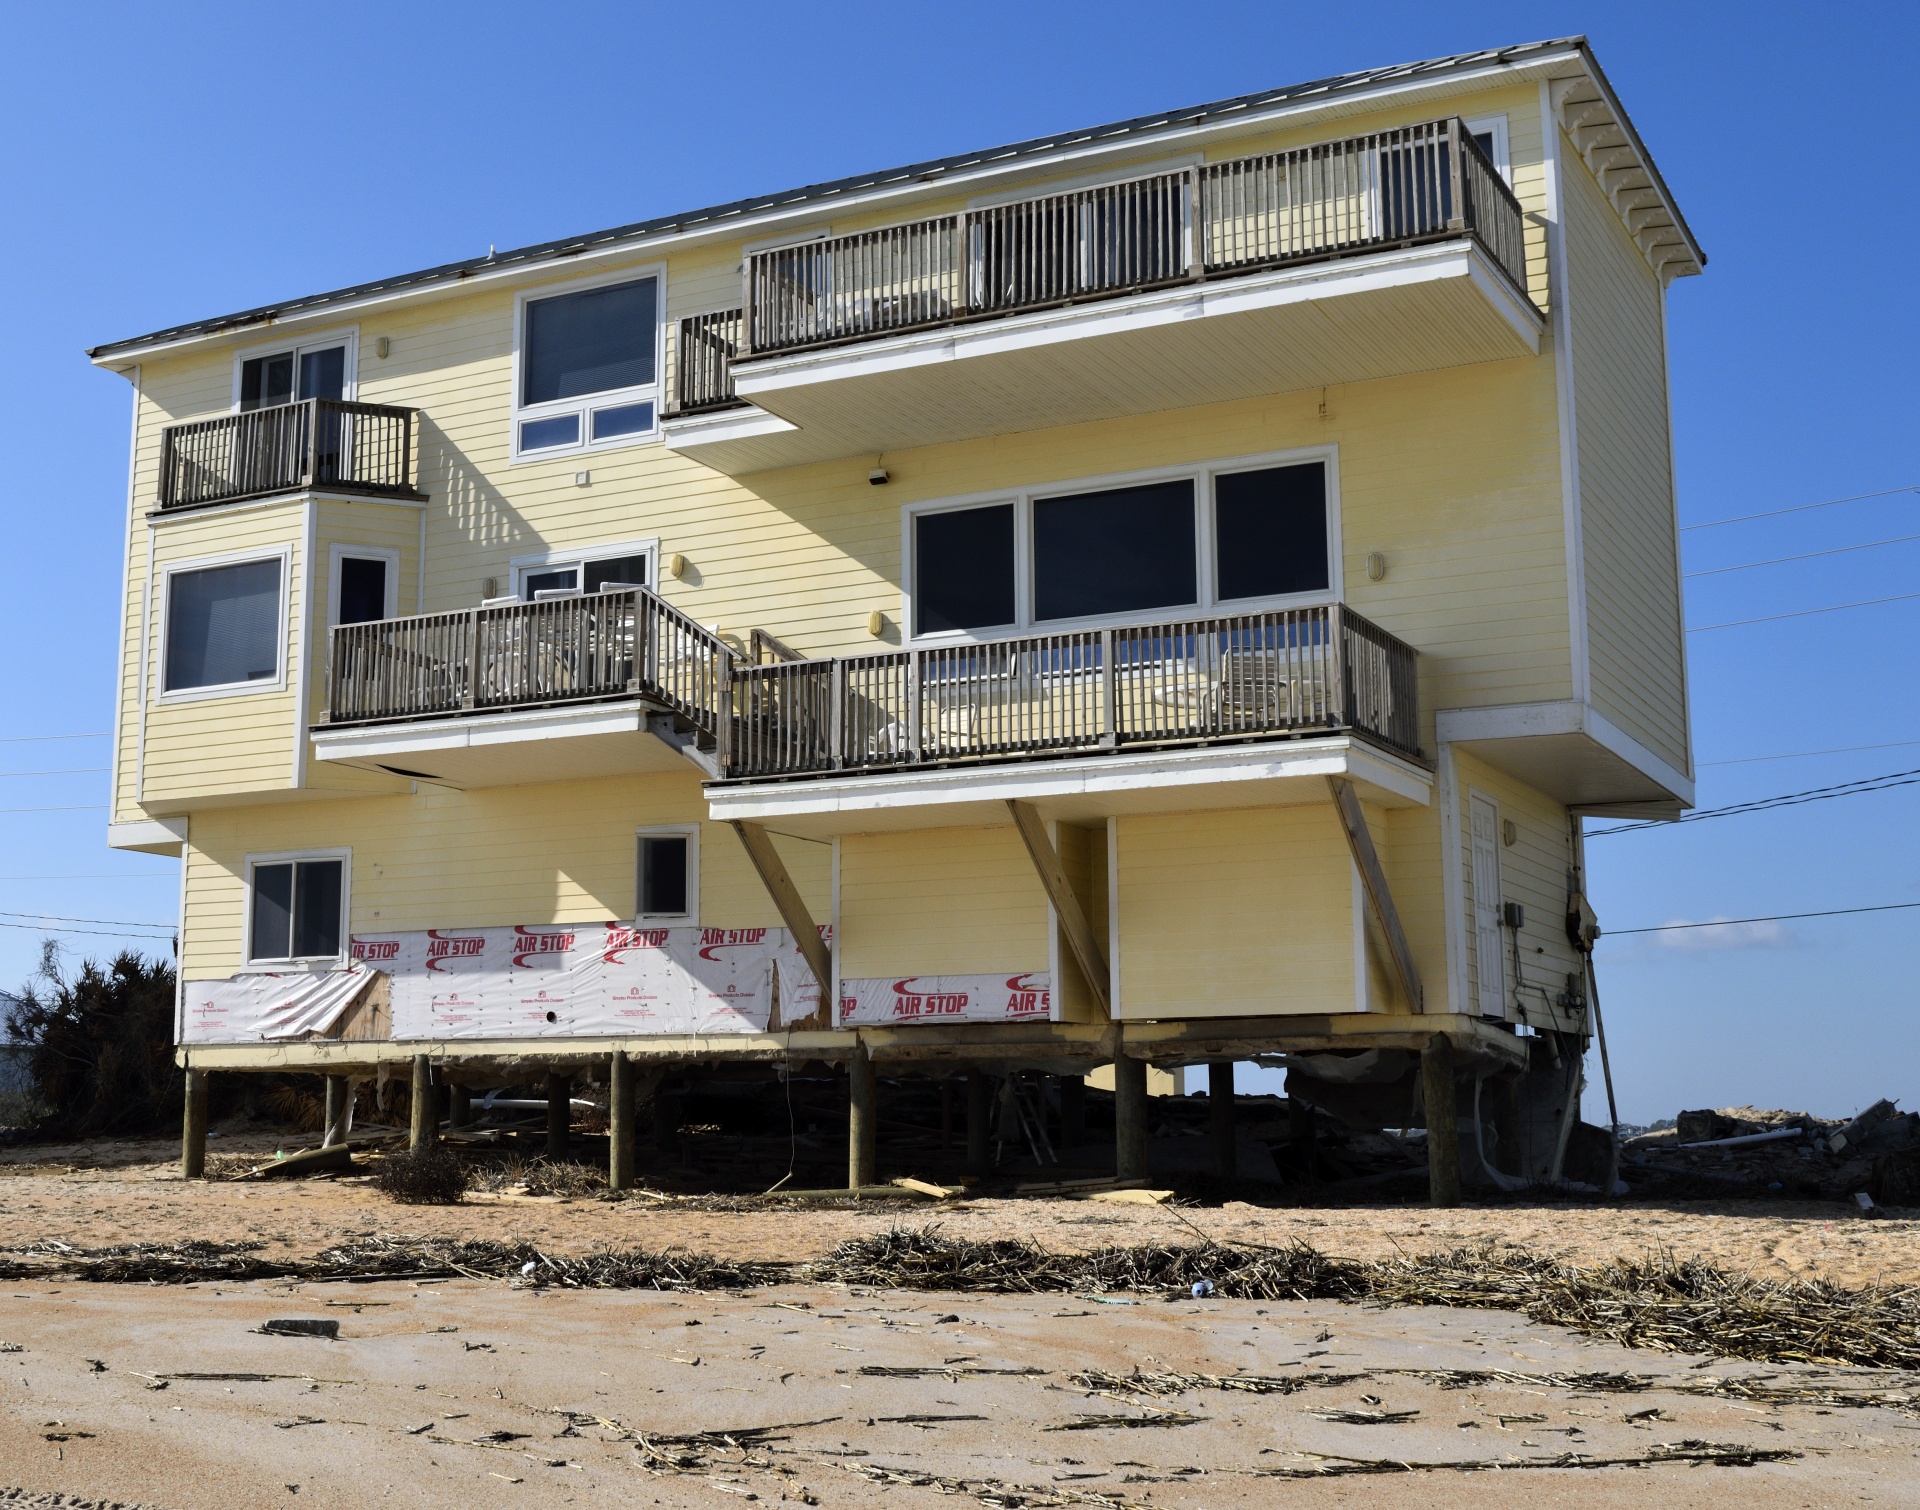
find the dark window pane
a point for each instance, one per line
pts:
(265, 381)
(363, 589)
(629, 571)
(963, 569)
(272, 911)
(223, 625)
(627, 419)
(561, 430)
(663, 877)
(323, 374)
(589, 342)
(316, 909)
(554, 579)
(1117, 551)
(1271, 528)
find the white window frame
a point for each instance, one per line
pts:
(691, 833)
(312, 963)
(1208, 601)
(390, 609)
(346, 335)
(278, 682)
(1497, 125)
(520, 566)
(586, 403)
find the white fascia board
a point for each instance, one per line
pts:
(157, 836)
(718, 429)
(382, 740)
(1299, 285)
(1537, 720)
(1329, 107)
(1092, 776)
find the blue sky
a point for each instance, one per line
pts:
(177, 162)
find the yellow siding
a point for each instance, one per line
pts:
(947, 901)
(1235, 914)
(1634, 626)
(561, 853)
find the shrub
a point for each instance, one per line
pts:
(435, 1176)
(101, 1047)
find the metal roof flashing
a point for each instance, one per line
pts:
(1324, 98)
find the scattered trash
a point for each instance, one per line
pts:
(1102, 1423)
(1130, 1197)
(1381, 1417)
(1202, 1288)
(325, 1327)
(335, 1160)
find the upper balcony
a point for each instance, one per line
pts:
(1401, 251)
(314, 443)
(618, 681)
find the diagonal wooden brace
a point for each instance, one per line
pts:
(1346, 802)
(1066, 904)
(786, 896)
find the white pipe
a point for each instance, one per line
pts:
(1778, 1135)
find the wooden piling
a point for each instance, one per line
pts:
(459, 1107)
(424, 1125)
(621, 1140)
(1129, 1118)
(559, 1113)
(1443, 1127)
(193, 1128)
(339, 1103)
(979, 1124)
(1220, 1121)
(1073, 1109)
(863, 1118)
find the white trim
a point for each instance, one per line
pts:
(1330, 107)
(1673, 507)
(343, 335)
(1453, 881)
(1560, 303)
(586, 404)
(249, 964)
(1113, 918)
(691, 833)
(1356, 899)
(302, 645)
(194, 513)
(149, 648)
(722, 426)
(162, 696)
(153, 835)
(1496, 126)
(126, 608)
(180, 952)
(1508, 1001)
(839, 938)
(1538, 720)
(1099, 178)
(420, 568)
(1202, 475)
(377, 742)
(338, 552)
(1055, 992)
(818, 232)
(519, 566)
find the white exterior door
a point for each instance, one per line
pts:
(1489, 955)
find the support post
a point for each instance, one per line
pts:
(863, 1118)
(193, 1128)
(1066, 902)
(559, 1112)
(1129, 1118)
(946, 1115)
(786, 899)
(1220, 1120)
(459, 1107)
(339, 1100)
(1373, 879)
(1073, 1110)
(1443, 1127)
(424, 1124)
(979, 1124)
(621, 1141)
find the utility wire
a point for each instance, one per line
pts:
(1786, 799)
(35, 739)
(1778, 917)
(83, 770)
(1838, 550)
(1802, 614)
(105, 933)
(55, 917)
(155, 875)
(1898, 744)
(84, 807)
(1801, 508)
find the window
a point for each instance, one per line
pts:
(667, 883)
(363, 589)
(316, 370)
(588, 368)
(223, 626)
(1490, 132)
(1231, 537)
(297, 908)
(627, 564)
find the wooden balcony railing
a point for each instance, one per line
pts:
(1290, 671)
(623, 642)
(317, 442)
(703, 362)
(1422, 183)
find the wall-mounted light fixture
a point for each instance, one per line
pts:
(876, 623)
(879, 476)
(381, 347)
(1509, 832)
(674, 565)
(1376, 567)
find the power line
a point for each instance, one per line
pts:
(1838, 550)
(1778, 917)
(82, 770)
(1802, 614)
(1786, 799)
(153, 938)
(84, 807)
(1801, 508)
(101, 876)
(55, 917)
(35, 739)
(1898, 744)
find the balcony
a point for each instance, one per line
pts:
(1397, 252)
(614, 682)
(315, 443)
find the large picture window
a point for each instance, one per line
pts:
(223, 626)
(589, 368)
(1238, 535)
(297, 908)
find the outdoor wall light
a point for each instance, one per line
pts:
(879, 476)
(1376, 567)
(381, 347)
(675, 566)
(876, 623)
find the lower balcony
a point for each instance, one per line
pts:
(619, 681)
(315, 443)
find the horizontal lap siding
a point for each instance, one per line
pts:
(561, 853)
(1634, 623)
(946, 901)
(1235, 914)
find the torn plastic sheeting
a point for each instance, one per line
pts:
(272, 1006)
